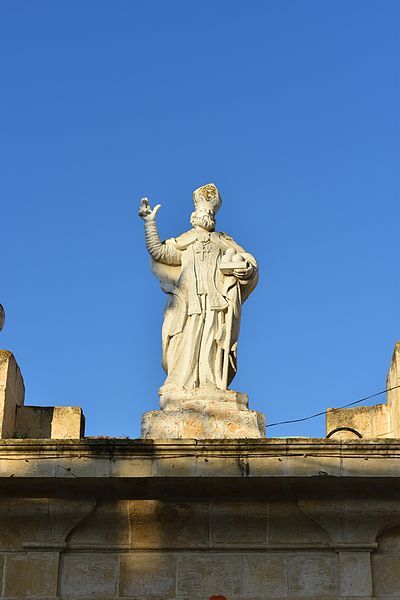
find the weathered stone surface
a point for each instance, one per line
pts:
(313, 574)
(203, 423)
(351, 519)
(246, 532)
(15, 575)
(265, 575)
(204, 576)
(169, 524)
(386, 575)
(89, 575)
(393, 396)
(287, 524)
(148, 576)
(239, 522)
(68, 423)
(209, 399)
(378, 421)
(55, 422)
(262, 459)
(368, 421)
(19, 421)
(106, 525)
(42, 574)
(355, 574)
(12, 393)
(27, 523)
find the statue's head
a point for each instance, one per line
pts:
(207, 203)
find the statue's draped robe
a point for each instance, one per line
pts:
(202, 316)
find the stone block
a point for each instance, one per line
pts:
(15, 571)
(355, 574)
(161, 524)
(313, 466)
(312, 571)
(176, 466)
(204, 576)
(34, 422)
(204, 400)
(106, 526)
(386, 574)
(131, 467)
(84, 466)
(89, 575)
(393, 397)
(239, 522)
(288, 524)
(42, 574)
(39, 522)
(12, 393)
(368, 421)
(148, 576)
(265, 575)
(357, 520)
(68, 423)
(217, 465)
(203, 424)
(1, 569)
(56, 422)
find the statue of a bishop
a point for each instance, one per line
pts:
(207, 277)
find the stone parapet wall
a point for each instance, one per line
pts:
(40, 422)
(370, 422)
(180, 520)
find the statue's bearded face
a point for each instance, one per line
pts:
(203, 217)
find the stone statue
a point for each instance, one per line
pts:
(207, 277)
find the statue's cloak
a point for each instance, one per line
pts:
(226, 292)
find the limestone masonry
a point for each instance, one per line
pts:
(187, 519)
(203, 507)
(254, 519)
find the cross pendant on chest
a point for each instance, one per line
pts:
(201, 251)
(205, 249)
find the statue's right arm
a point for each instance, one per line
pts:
(165, 253)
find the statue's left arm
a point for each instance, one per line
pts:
(250, 271)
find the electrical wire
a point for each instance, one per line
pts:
(325, 412)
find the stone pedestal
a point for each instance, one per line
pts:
(203, 414)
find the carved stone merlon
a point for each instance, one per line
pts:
(378, 421)
(19, 421)
(12, 393)
(393, 396)
(207, 277)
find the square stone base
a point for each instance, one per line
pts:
(200, 424)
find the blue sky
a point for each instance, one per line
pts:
(291, 108)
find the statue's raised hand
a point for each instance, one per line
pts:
(146, 212)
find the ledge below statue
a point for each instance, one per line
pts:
(203, 414)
